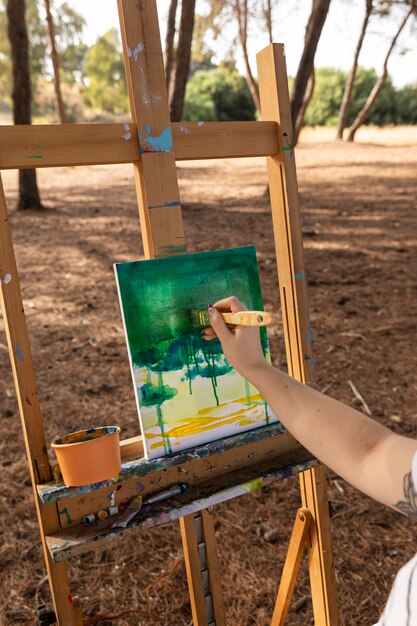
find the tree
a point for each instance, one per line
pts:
(55, 62)
(104, 67)
(241, 11)
(71, 47)
(28, 190)
(347, 94)
(68, 36)
(220, 94)
(183, 58)
(311, 84)
(406, 105)
(169, 43)
(266, 8)
(365, 111)
(315, 25)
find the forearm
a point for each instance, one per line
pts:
(359, 449)
(366, 454)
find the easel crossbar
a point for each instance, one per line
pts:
(26, 147)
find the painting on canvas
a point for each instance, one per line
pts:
(186, 391)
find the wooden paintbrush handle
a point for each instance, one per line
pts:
(248, 318)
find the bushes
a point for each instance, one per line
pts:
(219, 94)
(391, 107)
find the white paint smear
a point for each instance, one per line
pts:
(7, 278)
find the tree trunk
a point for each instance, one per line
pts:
(241, 13)
(347, 94)
(307, 97)
(55, 63)
(364, 112)
(185, 39)
(19, 47)
(169, 44)
(268, 18)
(315, 25)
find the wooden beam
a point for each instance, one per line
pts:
(285, 206)
(297, 545)
(30, 413)
(25, 147)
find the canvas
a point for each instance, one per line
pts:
(186, 391)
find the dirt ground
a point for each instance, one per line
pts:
(360, 247)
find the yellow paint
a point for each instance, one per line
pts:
(246, 422)
(158, 444)
(254, 398)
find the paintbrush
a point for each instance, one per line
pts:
(240, 318)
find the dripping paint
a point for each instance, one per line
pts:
(186, 391)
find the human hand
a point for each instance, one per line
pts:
(241, 345)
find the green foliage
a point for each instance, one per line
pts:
(69, 30)
(37, 49)
(104, 67)
(324, 106)
(407, 105)
(69, 27)
(384, 110)
(391, 107)
(220, 94)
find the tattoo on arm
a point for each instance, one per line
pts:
(409, 504)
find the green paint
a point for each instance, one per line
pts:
(164, 251)
(252, 485)
(35, 156)
(156, 298)
(68, 516)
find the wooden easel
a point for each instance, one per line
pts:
(153, 145)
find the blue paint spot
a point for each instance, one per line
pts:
(140, 485)
(309, 335)
(140, 135)
(300, 274)
(161, 143)
(159, 206)
(148, 129)
(19, 355)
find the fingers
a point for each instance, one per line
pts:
(218, 324)
(208, 334)
(230, 304)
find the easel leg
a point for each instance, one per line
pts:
(302, 523)
(319, 548)
(203, 573)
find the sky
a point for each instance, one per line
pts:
(336, 46)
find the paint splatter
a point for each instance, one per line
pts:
(164, 251)
(158, 143)
(135, 52)
(6, 280)
(127, 135)
(65, 512)
(300, 275)
(200, 124)
(166, 204)
(185, 130)
(288, 146)
(19, 354)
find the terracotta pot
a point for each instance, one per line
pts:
(88, 456)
